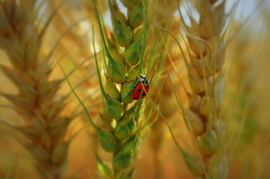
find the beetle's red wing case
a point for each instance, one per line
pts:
(140, 89)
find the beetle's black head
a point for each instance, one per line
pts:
(143, 79)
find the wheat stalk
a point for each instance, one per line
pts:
(37, 101)
(204, 117)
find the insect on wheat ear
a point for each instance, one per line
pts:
(141, 88)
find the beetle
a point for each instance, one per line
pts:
(141, 88)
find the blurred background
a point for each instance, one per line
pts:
(246, 95)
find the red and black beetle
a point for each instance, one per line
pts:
(141, 88)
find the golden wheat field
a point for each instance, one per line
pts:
(134, 89)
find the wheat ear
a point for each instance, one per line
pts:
(124, 52)
(204, 116)
(37, 101)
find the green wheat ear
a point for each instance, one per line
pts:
(123, 54)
